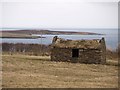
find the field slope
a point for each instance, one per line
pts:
(40, 72)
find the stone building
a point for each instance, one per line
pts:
(81, 51)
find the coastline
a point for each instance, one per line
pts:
(35, 37)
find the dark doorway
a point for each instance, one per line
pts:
(75, 52)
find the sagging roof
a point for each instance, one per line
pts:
(85, 44)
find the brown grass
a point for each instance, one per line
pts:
(40, 72)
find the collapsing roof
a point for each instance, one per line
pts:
(85, 44)
(82, 51)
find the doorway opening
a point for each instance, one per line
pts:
(75, 52)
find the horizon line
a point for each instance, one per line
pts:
(53, 28)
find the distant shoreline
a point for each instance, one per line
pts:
(28, 34)
(23, 37)
(48, 32)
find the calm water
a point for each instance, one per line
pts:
(111, 38)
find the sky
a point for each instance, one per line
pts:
(59, 14)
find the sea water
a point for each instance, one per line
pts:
(111, 38)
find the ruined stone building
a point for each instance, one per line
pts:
(81, 51)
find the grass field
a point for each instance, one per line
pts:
(40, 72)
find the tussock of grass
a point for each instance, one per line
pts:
(40, 72)
(112, 62)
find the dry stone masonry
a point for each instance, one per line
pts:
(79, 51)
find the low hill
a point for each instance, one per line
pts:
(49, 32)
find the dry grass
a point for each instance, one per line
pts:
(40, 72)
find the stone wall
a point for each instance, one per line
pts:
(103, 49)
(85, 56)
(90, 56)
(60, 54)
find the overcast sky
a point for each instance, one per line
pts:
(59, 14)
